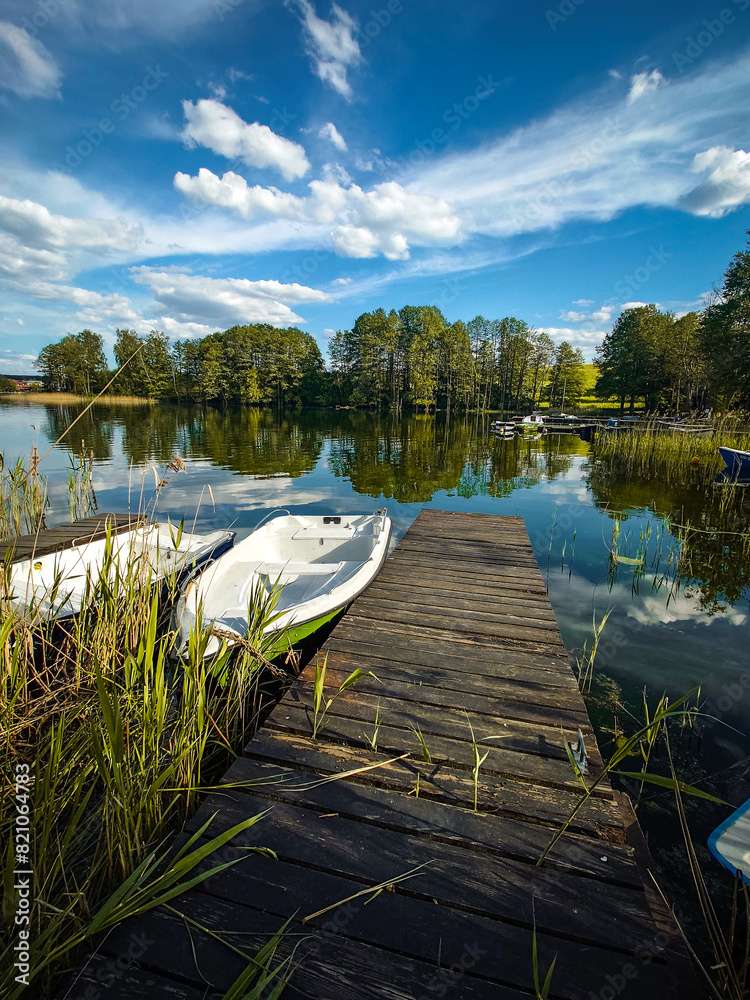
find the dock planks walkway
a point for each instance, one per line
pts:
(64, 536)
(457, 629)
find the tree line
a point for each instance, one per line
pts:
(415, 359)
(256, 364)
(683, 363)
(411, 359)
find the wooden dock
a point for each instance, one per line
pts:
(64, 536)
(459, 635)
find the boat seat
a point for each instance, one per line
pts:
(287, 571)
(335, 531)
(286, 575)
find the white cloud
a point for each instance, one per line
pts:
(212, 124)
(124, 22)
(110, 308)
(342, 282)
(644, 83)
(218, 302)
(234, 74)
(725, 184)
(331, 45)
(34, 225)
(383, 220)
(15, 363)
(636, 304)
(601, 315)
(591, 159)
(583, 302)
(39, 245)
(232, 192)
(335, 172)
(330, 132)
(26, 66)
(180, 329)
(586, 339)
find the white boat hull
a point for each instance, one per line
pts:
(60, 584)
(315, 565)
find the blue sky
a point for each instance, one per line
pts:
(189, 164)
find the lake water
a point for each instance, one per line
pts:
(242, 463)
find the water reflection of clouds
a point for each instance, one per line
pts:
(644, 607)
(681, 608)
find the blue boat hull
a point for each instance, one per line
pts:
(737, 462)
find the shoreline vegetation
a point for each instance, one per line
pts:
(415, 360)
(68, 398)
(115, 746)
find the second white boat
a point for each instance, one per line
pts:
(317, 565)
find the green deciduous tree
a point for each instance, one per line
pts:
(725, 334)
(567, 377)
(76, 363)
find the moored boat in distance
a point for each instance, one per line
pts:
(505, 429)
(737, 462)
(60, 584)
(311, 566)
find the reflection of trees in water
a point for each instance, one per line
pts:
(250, 441)
(715, 547)
(256, 442)
(149, 433)
(95, 429)
(521, 463)
(407, 459)
(412, 459)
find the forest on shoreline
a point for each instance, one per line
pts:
(414, 359)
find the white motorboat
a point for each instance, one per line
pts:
(312, 566)
(59, 584)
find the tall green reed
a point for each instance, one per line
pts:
(120, 739)
(676, 457)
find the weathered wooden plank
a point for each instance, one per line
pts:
(477, 636)
(441, 687)
(430, 780)
(487, 570)
(407, 686)
(326, 965)
(475, 619)
(118, 977)
(393, 739)
(449, 611)
(501, 888)
(483, 553)
(439, 934)
(359, 797)
(511, 601)
(452, 577)
(386, 642)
